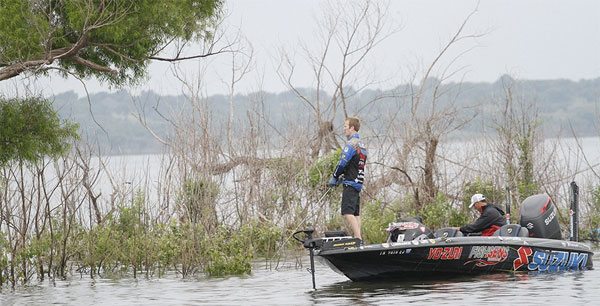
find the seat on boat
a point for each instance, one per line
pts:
(447, 232)
(512, 230)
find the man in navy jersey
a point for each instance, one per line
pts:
(352, 167)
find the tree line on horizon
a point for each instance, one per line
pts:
(117, 121)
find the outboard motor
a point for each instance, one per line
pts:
(407, 230)
(539, 216)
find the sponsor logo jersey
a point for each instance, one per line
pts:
(352, 163)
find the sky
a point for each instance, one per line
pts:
(528, 39)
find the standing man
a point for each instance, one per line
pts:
(490, 220)
(352, 167)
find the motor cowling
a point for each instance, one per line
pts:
(539, 216)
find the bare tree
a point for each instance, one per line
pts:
(432, 117)
(348, 35)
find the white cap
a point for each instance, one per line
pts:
(478, 197)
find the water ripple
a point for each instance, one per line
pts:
(294, 287)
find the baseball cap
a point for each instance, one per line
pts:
(476, 198)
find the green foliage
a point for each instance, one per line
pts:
(31, 130)
(526, 181)
(17, 22)
(375, 219)
(125, 243)
(198, 200)
(265, 238)
(100, 248)
(458, 217)
(228, 253)
(335, 222)
(594, 209)
(436, 214)
(441, 213)
(492, 194)
(323, 168)
(284, 176)
(4, 258)
(121, 35)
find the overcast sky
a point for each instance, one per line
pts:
(529, 39)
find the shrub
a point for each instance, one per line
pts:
(486, 188)
(227, 253)
(436, 214)
(593, 221)
(198, 201)
(375, 219)
(264, 238)
(322, 169)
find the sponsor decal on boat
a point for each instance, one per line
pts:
(344, 244)
(446, 253)
(485, 255)
(549, 260)
(554, 261)
(523, 254)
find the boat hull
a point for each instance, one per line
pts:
(455, 256)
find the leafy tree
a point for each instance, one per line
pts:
(113, 40)
(30, 129)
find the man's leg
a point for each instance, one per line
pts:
(350, 208)
(359, 226)
(354, 224)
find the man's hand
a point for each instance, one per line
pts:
(333, 182)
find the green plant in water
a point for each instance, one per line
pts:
(198, 201)
(526, 184)
(593, 220)
(4, 264)
(100, 247)
(264, 238)
(227, 252)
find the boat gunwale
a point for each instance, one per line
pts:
(559, 245)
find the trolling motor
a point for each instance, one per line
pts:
(310, 244)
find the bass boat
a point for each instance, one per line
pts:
(414, 251)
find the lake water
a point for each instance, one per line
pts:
(289, 285)
(292, 286)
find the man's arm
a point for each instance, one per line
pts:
(484, 221)
(347, 154)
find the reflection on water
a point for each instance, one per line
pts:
(289, 285)
(535, 288)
